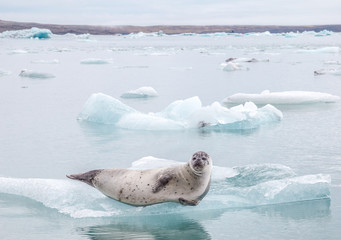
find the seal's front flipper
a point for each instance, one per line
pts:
(87, 177)
(162, 182)
(188, 202)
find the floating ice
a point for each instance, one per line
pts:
(332, 71)
(143, 92)
(291, 34)
(242, 186)
(27, 33)
(181, 114)
(34, 74)
(287, 97)
(323, 33)
(53, 61)
(18, 51)
(332, 62)
(231, 66)
(101, 108)
(96, 61)
(142, 34)
(320, 50)
(247, 60)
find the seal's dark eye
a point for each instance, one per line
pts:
(204, 158)
(194, 158)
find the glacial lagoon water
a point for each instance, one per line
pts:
(273, 178)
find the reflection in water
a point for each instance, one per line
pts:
(298, 210)
(157, 227)
(191, 226)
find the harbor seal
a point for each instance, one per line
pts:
(186, 184)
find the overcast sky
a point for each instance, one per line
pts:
(175, 12)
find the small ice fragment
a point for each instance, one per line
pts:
(143, 92)
(96, 61)
(34, 74)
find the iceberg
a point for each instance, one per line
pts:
(33, 74)
(179, 115)
(287, 97)
(27, 33)
(323, 33)
(96, 61)
(143, 92)
(237, 187)
(101, 108)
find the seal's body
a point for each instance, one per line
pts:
(186, 184)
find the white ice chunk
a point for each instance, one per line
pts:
(27, 33)
(96, 61)
(181, 114)
(34, 74)
(181, 109)
(287, 97)
(18, 51)
(53, 61)
(101, 108)
(230, 66)
(142, 121)
(142, 92)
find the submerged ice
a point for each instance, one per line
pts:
(286, 97)
(181, 114)
(241, 186)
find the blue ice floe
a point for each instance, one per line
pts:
(96, 61)
(179, 115)
(238, 187)
(142, 92)
(27, 33)
(286, 97)
(35, 75)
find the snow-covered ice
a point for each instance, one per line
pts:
(286, 97)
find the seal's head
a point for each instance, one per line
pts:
(200, 163)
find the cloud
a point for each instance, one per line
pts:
(153, 12)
